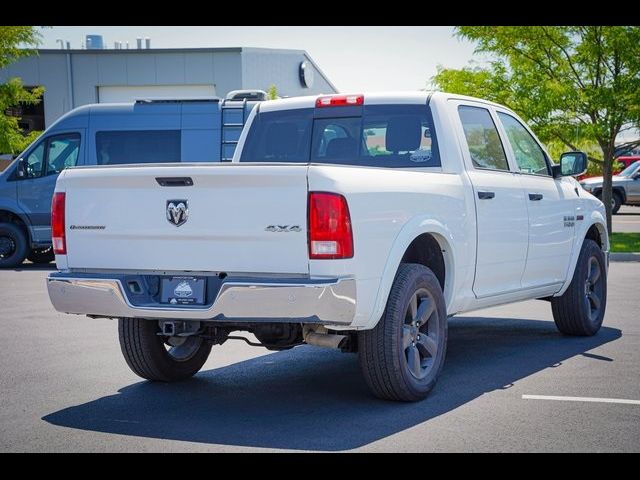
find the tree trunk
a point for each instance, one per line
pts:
(607, 169)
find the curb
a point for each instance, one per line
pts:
(624, 257)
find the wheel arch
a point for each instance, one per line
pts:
(418, 233)
(9, 216)
(595, 229)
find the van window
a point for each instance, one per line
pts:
(137, 146)
(62, 152)
(34, 161)
(381, 136)
(53, 154)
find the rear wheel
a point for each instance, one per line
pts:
(580, 310)
(158, 358)
(403, 355)
(13, 245)
(41, 255)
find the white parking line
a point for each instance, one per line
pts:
(581, 399)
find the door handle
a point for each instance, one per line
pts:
(486, 195)
(534, 197)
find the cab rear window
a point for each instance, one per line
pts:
(398, 136)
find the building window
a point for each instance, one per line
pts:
(31, 116)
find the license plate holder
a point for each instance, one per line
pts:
(183, 290)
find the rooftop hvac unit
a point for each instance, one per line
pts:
(94, 42)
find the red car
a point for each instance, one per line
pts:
(627, 160)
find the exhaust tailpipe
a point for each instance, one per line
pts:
(325, 340)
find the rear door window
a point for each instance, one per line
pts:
(380, 136)
(485, 146)
(137, 146)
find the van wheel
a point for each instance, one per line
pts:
(150, 357)
(13, 245)
(403, 355)
(580, 310)
(41, 255)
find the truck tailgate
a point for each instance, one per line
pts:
(241, 218)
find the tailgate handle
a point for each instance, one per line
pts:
(174, 181)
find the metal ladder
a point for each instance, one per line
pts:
(233, 118)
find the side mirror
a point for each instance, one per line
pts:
(571, 164)
(21, 168)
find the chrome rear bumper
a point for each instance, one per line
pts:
(331, 301)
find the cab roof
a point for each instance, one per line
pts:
(370, 98)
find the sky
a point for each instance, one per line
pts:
(354, 58)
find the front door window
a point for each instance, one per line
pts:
(34, 161)
(62, 152)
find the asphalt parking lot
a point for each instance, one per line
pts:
(627, 219)
(65, 387)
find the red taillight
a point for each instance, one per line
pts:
(339, 100)
(57, 224)
(330, 235)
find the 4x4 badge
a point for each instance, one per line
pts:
(283, 228)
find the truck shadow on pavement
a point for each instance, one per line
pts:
(310, 398)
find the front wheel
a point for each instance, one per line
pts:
(13, 245)
(153, 358)
(403, 355)
(580, 310)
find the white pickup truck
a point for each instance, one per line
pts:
(358, 222)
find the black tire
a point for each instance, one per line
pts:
(13, 245)
(616, 200)
(148, 357)
(388, 351)
(41, 255)
(580, 310)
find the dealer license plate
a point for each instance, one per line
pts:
(183, 291)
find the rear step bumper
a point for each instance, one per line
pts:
(326, 301)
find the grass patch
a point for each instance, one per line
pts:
(625, 242)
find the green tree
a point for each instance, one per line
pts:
(574, 85)
(272, 92)
(16, 42)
